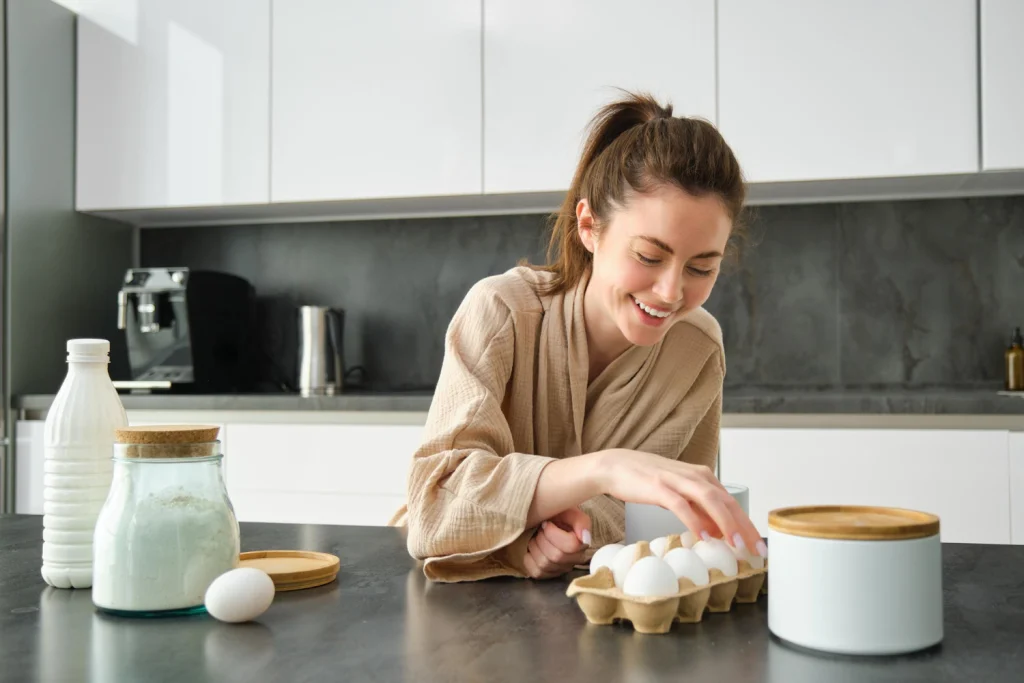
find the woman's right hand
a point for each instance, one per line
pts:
(690, 491)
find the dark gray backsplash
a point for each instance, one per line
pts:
(907, 294)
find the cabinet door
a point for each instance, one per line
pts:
(549, 66)
(1017, 487)
(30, 454)
(319, 474)
(173, 103)
(849, 88)
(959, 475)
(1002, 84)
(375, 99)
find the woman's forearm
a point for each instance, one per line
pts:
(564, 484)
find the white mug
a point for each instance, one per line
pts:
(647, 522)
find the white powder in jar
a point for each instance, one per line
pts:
(163, 552)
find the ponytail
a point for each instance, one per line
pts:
(634, 145)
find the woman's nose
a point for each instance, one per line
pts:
(669, 287)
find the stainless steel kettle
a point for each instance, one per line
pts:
(321, 365)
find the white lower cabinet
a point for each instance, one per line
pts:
(1017, 488)
(961, 475)
(319, 473)
(356, 473)
(28, 466)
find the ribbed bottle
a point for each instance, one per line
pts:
(79, 439)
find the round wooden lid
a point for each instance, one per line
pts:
(293, 569)
(166, 434)
(854, 522)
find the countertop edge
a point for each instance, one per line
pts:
(970, 409)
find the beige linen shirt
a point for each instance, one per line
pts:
(513, 395)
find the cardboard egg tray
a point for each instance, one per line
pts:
(604, 603)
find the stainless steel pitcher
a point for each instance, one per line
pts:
(321, 365)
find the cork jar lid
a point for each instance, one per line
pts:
(167, 441)
(854, 522)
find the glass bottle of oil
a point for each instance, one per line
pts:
(1015, 363)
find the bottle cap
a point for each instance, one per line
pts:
(1016, 338)
(88, 349)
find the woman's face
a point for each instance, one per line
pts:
(653, 261)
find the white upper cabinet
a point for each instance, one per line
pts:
(1002, 84)
(549, 66)
(375, 99)
(173, 103)
(849, 88)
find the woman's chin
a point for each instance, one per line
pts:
(639, 335)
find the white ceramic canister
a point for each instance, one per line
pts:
(855, 580)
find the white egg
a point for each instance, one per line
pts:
(716, 554)
(604, 556)
(688, 539)
(755, 561)
(622, 562)
(658, 546)
(238, 595)
(686, 563)
(650, 577)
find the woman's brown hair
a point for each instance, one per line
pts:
(635, 145)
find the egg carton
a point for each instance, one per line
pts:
(602, 602)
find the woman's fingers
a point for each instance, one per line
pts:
(565, 541)
(696, 521)
(733, 524)
(552, 552)
(538, 565)
(532, 570)
(558, 560)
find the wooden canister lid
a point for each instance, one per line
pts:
(167, 441)
(152, 434)
(854, 522)
(293, 569)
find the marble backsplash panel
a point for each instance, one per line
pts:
(828, 296)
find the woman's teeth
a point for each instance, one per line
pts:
(651, 311)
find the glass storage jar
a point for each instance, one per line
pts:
(167, 528)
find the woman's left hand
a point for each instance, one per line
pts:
(559, 545)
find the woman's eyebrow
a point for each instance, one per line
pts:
(656, 242)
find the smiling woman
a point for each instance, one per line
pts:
(570, 388)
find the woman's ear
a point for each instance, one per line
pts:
(585, 224)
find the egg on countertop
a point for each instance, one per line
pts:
(686, 563)
(650, 577)
(716, 554)
(622, 562)
(604, 556)
(238, 595)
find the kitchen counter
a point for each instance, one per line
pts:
(738, 401)
(382, 621)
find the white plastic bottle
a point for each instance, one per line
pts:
(78, 464)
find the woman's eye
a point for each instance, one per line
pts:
(647, 261)
(700, 273)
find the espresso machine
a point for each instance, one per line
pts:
(187, 330)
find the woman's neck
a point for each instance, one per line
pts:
(605, 342)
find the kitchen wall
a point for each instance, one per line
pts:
(895, 294)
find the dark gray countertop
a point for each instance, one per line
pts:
(380, 621)
(970, 401)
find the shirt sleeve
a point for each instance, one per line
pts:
(703, 445)
(469, 494)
